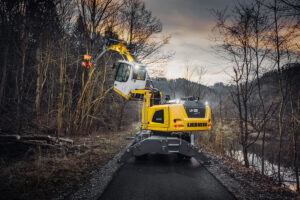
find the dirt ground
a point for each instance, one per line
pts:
(37, 173)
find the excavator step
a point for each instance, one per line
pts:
(173, 151)
(173, 145)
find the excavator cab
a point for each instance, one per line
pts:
(130, 76)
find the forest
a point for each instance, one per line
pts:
(43, 85)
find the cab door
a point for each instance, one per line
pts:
(139, 77)
(122, 79)
(158, 118)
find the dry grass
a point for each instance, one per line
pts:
(44, 175)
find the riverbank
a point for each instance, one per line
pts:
(223, 141)
(246, 183)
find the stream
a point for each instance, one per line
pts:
(271, 166)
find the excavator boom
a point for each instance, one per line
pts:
(121, 48)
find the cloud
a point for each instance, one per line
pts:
(189, 22)
(186, 23)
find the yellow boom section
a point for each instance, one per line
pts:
(121, 48)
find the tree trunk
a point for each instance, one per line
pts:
(278, 59)
(280, 132)
(246, 134)
(295, 151)
(263, 109)
(294, 135)
(221, 124)
(242, 131)
(245, 155)
(20, 83)
(263, 153)
(60, 96)
(23, 59)
(121, 115)
(4, 69)
(38, 84)
(131, 25)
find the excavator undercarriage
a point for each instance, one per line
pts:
(147, 142)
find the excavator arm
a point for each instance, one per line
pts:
(119, 47)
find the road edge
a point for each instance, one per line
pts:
(229, 183)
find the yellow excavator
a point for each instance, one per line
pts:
(165, 128)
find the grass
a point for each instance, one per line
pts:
(46, 174)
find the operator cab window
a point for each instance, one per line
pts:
(139, 73)
(123, 72)
(158, 117)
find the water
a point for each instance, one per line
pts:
(287, 173)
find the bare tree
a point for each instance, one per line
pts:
(260, 111)
(294, 126)
(283, 30)
(139, 27)
(139, 23)
(199, 89)
(294, 4)
(47, 85)
(189, 74)
(236, 43)
(7, 14)
(93, 14)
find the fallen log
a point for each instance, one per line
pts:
(10, 137)
(40, 144)
(41, 141)
(39, 137)
(65, 140)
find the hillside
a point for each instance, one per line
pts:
(180, 87)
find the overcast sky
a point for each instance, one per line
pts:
(189, 22)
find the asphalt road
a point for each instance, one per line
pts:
(164, 177)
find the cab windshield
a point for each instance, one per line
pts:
(123, 72)
(139, 72)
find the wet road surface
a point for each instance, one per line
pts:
(164, 177)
